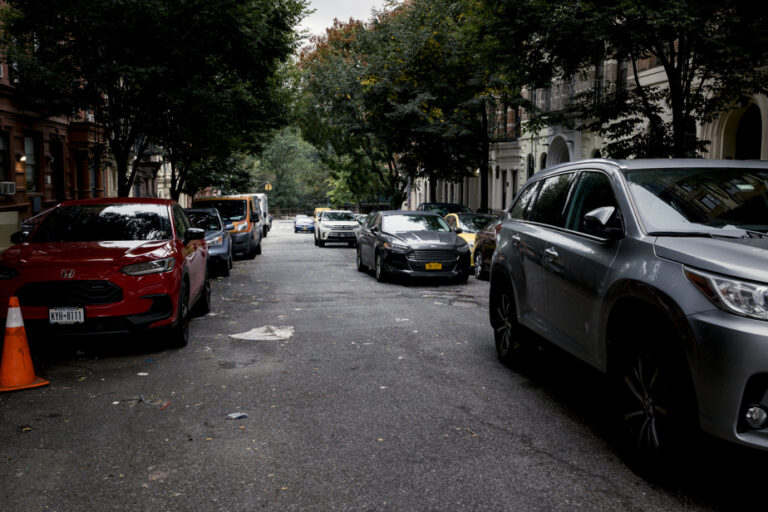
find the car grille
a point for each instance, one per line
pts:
(69, 293)
(342, 228)
(433, 255)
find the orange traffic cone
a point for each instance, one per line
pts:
(16, 371)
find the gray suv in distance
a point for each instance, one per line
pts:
(656, 273)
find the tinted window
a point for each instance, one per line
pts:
(404, 223)
(592, 191)
(230, 210)
(520, 208)
(549, 205)
(182, 223)
(691, 199)
(103, 222)
(338, 216)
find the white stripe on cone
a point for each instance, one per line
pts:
(14, 318)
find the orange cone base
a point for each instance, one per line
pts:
(38, 382)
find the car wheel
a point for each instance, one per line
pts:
(265, 231)
(507, 332)
(229, 261)
(203, 304)
(294, 230)
(351, 244)
(180, 332)
(381, 274)
(359, 261)
(316, 241)
(479, 272)
(321, 243)
(463, 277)
(224, 269)
(258, 248)
(252, 251)
(655, 400)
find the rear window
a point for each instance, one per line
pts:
(231, 210)
(105, 222)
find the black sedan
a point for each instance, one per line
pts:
(216, 235)
(416, 244)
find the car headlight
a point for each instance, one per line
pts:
(395, 247)
(740, 297)
(462, 246)
(216, 240)
(8, 272)
(149, 267)
(242, 227)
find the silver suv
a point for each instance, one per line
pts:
(656, 273)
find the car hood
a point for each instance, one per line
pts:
(85, 253)
(737, 257)
(420, 238)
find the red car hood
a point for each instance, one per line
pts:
(85, 253)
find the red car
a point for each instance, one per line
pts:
(100, 266)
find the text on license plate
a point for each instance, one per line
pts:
(433, 266)
(66, 315)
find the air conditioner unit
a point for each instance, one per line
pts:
(7, 188)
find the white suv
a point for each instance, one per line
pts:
(336, 226)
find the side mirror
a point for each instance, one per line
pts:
(194, 234)
(20, 236)
(458, 231)
(596, 222)
(374, 229)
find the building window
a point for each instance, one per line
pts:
(6, 171)
(31, 167)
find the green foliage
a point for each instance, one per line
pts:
(193, 76)
(712, 52)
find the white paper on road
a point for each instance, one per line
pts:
(266, 333)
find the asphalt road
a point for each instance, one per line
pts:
(359, 396)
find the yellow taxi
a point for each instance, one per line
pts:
(467, 225)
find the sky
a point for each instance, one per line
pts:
(327, 10)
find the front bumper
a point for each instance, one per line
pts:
(337, 236)
(128, 303)
(404, 264)
(218, 255)
(308, 229)
(241, 242)
(729, 367)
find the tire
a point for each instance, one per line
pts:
(479, 272)
(294, 230)
(264, 230)
(352, 244)
(463, 277)
(507, 332)
(656, 405)
(224, 268)
(180, 332)
(229, 262)
(258, 247)
(380, 273)
(252, 251)
(203, 304)
(359, 261)
(316, 244)
(321, 243)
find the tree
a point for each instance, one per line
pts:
(712, 52)
(145, 67)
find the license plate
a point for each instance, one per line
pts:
(66, 315)
(433, 266)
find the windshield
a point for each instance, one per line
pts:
(345, 216)
(102, 222)
(444, 209)
(701, 199)
(474, 223)
(231, 210)
(404, 223)
(204, 220)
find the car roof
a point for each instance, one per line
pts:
(119, 200)
(222, 198)
(657, 163)
(408, 212)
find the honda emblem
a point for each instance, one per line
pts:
(68, 273)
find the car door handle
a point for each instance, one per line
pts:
(515, 238)
(550, 253)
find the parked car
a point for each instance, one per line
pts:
(216, 236)
(243, 215)
(336, 226)
(485, 244)
(654, 272)
(303, 223)
(101, 266)
(467, 225)
(361, 218)
(317, 212)
(443, 209)
(412, 244)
